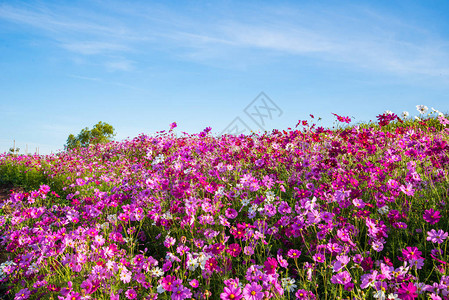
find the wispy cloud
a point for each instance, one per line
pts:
(84, 33)
(120, 65)
(84, 77)
(376, 46)
(363, 39)
(288, 40)
(108, 82)
(91, 48)
(54, 20)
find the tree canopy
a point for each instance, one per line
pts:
(101, 133)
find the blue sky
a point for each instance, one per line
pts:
(140, 65)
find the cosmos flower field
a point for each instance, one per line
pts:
(309, 213)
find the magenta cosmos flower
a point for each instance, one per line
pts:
(194, 283)
(270, 265)
(304, 295)
(252, 291)
(319, 257)
(231, 293)
(131, 294)
(167, 282)
(407, 291)
(411, 253)
(234, 250)
(293, 253)
(231, 213)
(431, 216)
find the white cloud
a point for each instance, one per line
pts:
(382, 49)
(56, 21)
(289, 40)
(85, 77)
(91, 48)
(107, 82)
(119, 65)
(354, 36)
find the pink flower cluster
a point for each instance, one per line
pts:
(355, 213)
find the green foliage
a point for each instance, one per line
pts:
(29, 178)
(428, 123)
(22, 176)
(100, 133)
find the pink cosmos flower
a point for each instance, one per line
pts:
(181, 293)
(431, 216)
(407, 291)
(22, 294)
(407, 189)
(443, 120)
(270, 265)
(44, 189)
(282, 262)
(194, 283)
(167, 282)
(248, 250)
(131, 294)
(304, 295)
(80, 181)
(125, 276)
(342, 261)
(231, 213)
(231, 293)
(211, 264)
(319, 257)
(436, 236)
(341, 278)
(368, 279)
(253, 291)
(234, 250)
(293, 253)
(217, 248)
(411, 253)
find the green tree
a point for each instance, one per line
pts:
(100, 133)
(14, 151)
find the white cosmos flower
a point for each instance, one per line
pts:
(288, 284)
(158, 159)
(383, 210)
(157, 272)
(405, 114)
(270, 196)
(253, 208)
(422, 109)
(220, 191)
(245, 202)
(380, 295)
(149, 154)
(439, 113)
(389, 112)
(192, 264)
